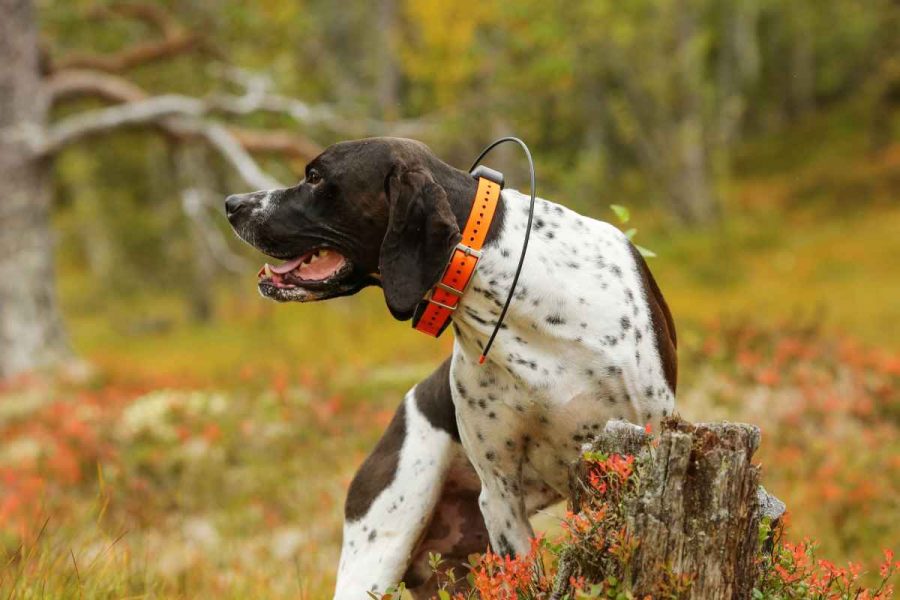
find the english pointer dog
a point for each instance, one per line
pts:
(475, 449)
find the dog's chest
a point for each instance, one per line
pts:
(576, 350)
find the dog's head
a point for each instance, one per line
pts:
(380, 211)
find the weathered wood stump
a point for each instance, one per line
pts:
(696, 510)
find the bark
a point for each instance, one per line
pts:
(697, 508)
(31, 332)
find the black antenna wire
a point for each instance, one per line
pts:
(515, 280)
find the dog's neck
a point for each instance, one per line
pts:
(460, 188)
(539, 285)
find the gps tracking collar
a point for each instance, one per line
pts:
(436, 310)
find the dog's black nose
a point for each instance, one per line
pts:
(234, 204)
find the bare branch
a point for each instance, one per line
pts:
(194, 202)
(151, 14)
(75, 83)
(142, 112)
(178, 115)
(230, 149)
(175, 40)
(128, 58)
(258, 97)
(276, 141)
(139, 110)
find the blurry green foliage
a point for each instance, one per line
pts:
(619, 100)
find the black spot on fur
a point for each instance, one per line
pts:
(555, 319)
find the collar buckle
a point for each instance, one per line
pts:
(468, 250)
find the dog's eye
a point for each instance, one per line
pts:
(313, 177)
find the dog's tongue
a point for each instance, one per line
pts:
(288, 266)
(322, 266)
(312, 266)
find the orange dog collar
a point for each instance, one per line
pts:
(435, 312)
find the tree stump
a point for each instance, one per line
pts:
(697, 508)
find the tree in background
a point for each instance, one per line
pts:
(35, 85)
(31, 331)
(132, 120)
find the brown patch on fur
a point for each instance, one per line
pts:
(379, 469)
(435, 401)
(661, 318)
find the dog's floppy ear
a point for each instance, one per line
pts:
(421, 235)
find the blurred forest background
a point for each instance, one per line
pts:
(166, 432)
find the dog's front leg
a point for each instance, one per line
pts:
(391, 502)
(497, 453)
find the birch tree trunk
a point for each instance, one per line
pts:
(31, 331)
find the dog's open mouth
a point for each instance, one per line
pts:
(313, 270)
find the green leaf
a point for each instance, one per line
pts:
(646, 252)
(443, 595)
(630, 233)
(622, 213)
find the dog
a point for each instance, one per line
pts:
(475, 449)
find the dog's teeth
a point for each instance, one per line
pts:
(268, 269)
(322, 253)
